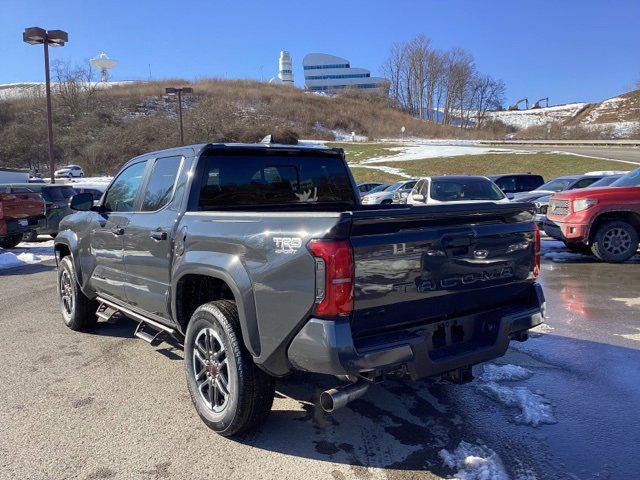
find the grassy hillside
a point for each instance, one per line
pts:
(101, 129)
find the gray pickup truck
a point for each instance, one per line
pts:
(261, 260)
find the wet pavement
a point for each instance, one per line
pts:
(564, 404)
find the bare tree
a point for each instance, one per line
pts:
(75, 87)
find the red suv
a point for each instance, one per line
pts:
(603, 221)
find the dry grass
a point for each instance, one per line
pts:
(549, 165)
(356, 152)
(103, 130)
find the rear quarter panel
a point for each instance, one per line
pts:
(263, 257)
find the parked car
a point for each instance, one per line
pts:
(386, 197)
(69, 171)
(455, 189)
(56, 197)
(560, 184)
(365, 187)
(21, 210)
(513, 183)
(261, 261)
(604, 221)
(542, 203)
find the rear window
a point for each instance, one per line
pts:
(459, 190)
(274, 180)
(57, 194)
(527, 183)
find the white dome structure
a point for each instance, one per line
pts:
(328, 73)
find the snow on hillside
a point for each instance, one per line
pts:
(521, 119)
(11, 91)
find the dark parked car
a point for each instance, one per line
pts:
(56, 198)
(560, 184)
(261, 261)
(513, 183)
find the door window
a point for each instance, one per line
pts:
(160, 186)
(122, 194)
(528, 183)
(585, 182)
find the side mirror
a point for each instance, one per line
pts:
(81, 202)
(418, 197)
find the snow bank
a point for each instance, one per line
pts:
(534, 408)
(474, 462)
(495, 373)
(26, 253)
(521, 119)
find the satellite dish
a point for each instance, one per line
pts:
(104, 63)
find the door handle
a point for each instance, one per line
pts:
(158, 235)
(117, 231)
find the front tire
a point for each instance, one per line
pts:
(615, 242)
(30, 236)
(230, 393)
(78, 311)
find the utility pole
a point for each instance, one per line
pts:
(179, 92)
(55, 38)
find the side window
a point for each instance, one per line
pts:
(417, 187)
(122, 193)
(507, 184)
(160, 185)
(585, 182)
(528, 183)
(409, 186)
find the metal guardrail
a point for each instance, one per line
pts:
(576, 143)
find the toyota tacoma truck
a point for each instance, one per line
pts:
(21, 211)
(604, 221)
(261, 261)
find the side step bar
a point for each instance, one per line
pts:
(158, 330)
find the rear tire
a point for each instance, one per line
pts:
(230, 393)
(615, 242)
(11, 242)
(386, 202)
(78, 311)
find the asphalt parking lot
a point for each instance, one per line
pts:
(105, 405)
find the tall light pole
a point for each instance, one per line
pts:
(55, 38)
(179, 92)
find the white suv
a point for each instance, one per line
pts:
(70, 171)
(455, 189)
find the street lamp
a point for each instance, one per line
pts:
(179, 92)
(55, 38)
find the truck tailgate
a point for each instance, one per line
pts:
(21, 205)
(425, 264)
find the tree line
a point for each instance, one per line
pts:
(442, 86)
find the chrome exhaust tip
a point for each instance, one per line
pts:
(331, 400)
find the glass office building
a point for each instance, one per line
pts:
(328, 73)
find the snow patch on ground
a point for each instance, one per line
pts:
(542, 328)
(382, 168)
(534, 408)
(342, 136)
(629, 302)
(496, 373)
(26, 253)
(474, 462)
(423, 149)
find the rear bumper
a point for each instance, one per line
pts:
(17, 226)
(327, 346)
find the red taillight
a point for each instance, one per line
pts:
(334, 277)
(536, 250)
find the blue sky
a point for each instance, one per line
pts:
(567, 50)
